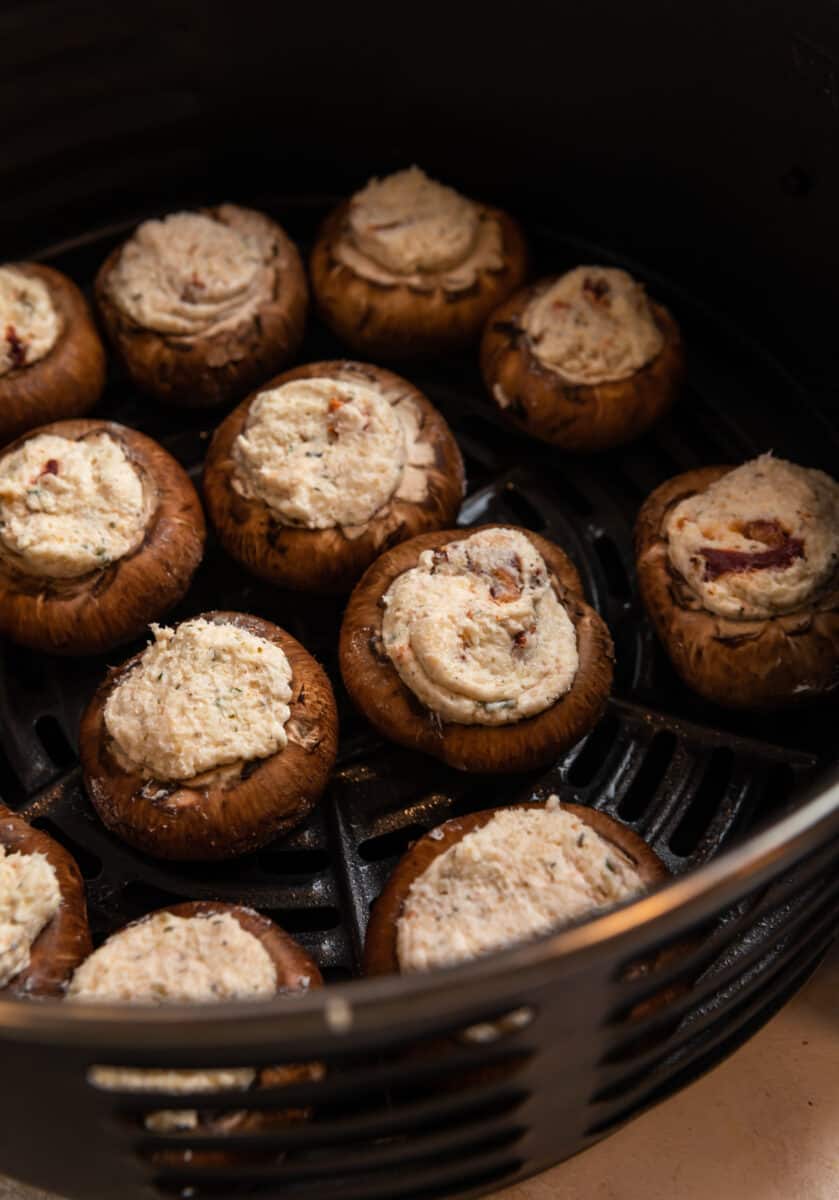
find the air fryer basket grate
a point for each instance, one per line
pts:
(690, 779)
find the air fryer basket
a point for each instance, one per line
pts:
(569, 1037)
(604, 123)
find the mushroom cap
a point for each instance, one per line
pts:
(198, 370)
(377, 690)
(231, 811)
(293, 964)
(396, 321)
(577, 417)
(97, 611)
(768, 663)
(380, 948)
(66, 382)
(328, 560)
(64, 942)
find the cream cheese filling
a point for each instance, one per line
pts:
(409, 229)
(593, 325)
(69, 507)
(525, 872)
(192, 274)
(29, 899)
(322, 452)
(202, 696)
(29, 321)
(477, 632)
(760, 541)
(167, 959)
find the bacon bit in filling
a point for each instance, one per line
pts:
(50, 467)
(506, 586)
(781, 550)
(17, 347)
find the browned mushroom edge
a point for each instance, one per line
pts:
(195, 370)
(377, 690)
(234, 809)
(64, 942)
(396, 321)
(380, 949)
(326, 560)
(577, 417)
(767, 663)
(66, 382)
(296, 970)
(97, 611)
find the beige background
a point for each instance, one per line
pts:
(763, 1126)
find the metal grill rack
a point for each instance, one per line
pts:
(588, 1050)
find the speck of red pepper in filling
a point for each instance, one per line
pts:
(50, 467)
(17, 347)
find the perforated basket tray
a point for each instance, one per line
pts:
(403, 1112)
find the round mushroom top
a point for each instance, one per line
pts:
(70, 506)
(327, 451)
(193, 274)
(525, 872)
(202, 696)
(29, 899)
(477, 632)
(592, 325)
(29, 321)
(409, 229)
(759, 542)
(167, 959)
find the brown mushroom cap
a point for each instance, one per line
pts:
(327, 560)
(380, 948)
(195, 370)
(64, 942)
(376, 688)
(396, 321)
(66, 382)
(97, 611)
(765, 663)
(233, 810)
(296, 970)
(577, 417)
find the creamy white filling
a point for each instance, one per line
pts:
(29, 321)
(782, 517)
(167, 959)
(321, 452)
(593, 325)
(202, 696)
(476, 631)
(192, 274)
(29, 899)
(525, 872)
(410, 229)
(69, 507)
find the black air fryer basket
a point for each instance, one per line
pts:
(698, 151)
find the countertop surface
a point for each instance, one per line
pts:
(763, 1126)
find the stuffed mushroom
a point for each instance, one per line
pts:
(497, 878)
(584, 361)
(197, 953)
(307, 481)
(101, 532)
(407, 267)
(739, 572)
(52, 364)
(44, 933)
(202, 306)
(476, 646)
(212, 741)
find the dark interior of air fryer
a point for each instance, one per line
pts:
(623, 154)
